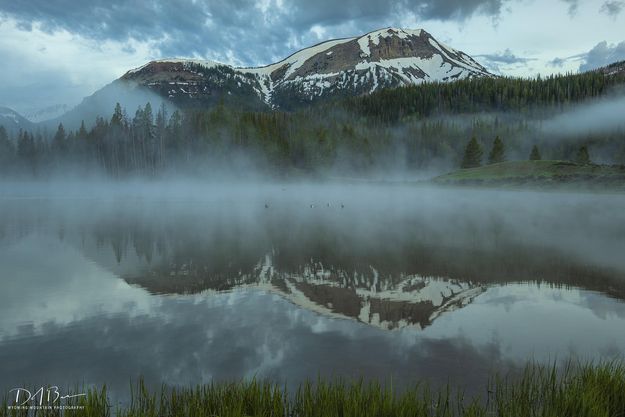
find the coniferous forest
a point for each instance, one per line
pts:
(422, 127)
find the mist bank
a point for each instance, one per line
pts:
(399, 133)
(601, 116)
(128, 94)
(225, 144)
(351, 217)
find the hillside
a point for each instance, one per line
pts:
(529, 96)
(616, 68)
(538, 173)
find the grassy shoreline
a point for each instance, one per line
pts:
(585, 390)
(543, 174)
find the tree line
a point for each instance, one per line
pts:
(484, 94)
(473, 154)
(409, 128)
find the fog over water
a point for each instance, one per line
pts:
(184, 282)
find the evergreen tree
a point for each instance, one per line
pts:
(118, 116)
(7, 150)
(472, 154)
(174, 130)
(161, 118)
(535, 154)
(583, 158)
(82, 132)
(148, 118)
(59, 142)
(26, 150)
(161, 132)
(497, 153)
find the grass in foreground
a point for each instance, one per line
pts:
(579, 390)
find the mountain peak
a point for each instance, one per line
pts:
(388, 57)
(376, 35)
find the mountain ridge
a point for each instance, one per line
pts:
(12, 121)
(383, 58)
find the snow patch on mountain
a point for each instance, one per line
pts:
(374, 37)
(10, 116)
(296, 60)
(41, 114)
(383, 58)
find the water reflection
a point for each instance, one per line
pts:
(186, 291)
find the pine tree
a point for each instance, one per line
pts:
(161, 132)
(118, 117)
(59, 142)
(472, 154)
(82, 132)
(26, 150)
(7, 150)
(583, 158)
(497, 153)
(535, 154)
(148, 118)
(174, 130)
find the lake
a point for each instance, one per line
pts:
(190, 283)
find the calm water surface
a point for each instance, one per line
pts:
(185, 285)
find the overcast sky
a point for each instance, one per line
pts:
(58, 51)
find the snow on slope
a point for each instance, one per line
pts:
(383, 58)
(374, 37)
(296, 60)
(13, 121)
(10, 116)
(41, 114)
(437, 295)
(435, 68)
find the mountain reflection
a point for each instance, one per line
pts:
(395, 262)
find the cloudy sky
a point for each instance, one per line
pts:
(58, 51)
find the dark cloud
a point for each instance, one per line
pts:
(495, 60)
(506, 57)
(573, 4)
(557, 62)
(446, 9)
(601, 55)
(302, 15)
(612, 8)
(215, 29)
